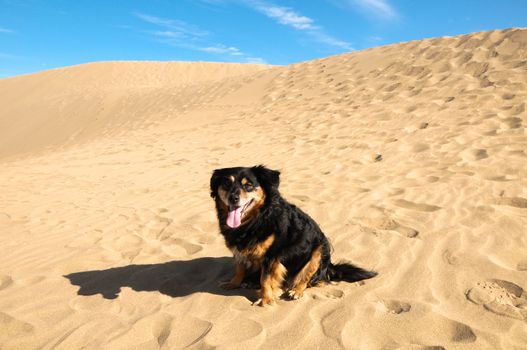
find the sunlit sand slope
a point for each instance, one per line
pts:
(412, 158)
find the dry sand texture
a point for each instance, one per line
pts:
(412, 158)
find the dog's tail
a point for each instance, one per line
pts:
(348, 272)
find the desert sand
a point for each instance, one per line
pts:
(411, 157)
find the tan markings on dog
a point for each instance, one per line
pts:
(244, 181)
(258, 250)
(222, 197)
(236, 281)
(304, 276)
(271, 282)
(251, 257)
(258, 197)
(231, 178)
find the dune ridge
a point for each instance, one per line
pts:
(412, 158)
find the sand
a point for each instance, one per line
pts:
(412, 158)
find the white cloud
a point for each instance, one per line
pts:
(184, 35)
(291, 18)
(379, 8)
(222, 50)
(332, 41)
(285, 16)
(236, 53)
(175, 26)
(165, 33)
(255, 60)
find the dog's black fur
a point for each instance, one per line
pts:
(296, 234)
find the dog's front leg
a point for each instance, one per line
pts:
(236, 281)
(273, 273)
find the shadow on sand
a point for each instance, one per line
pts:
(175, 278)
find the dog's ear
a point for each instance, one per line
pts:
(266, 176)
(215, 183)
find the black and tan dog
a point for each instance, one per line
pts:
(272, 237)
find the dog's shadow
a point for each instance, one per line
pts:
(174, 278)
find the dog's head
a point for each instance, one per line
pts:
(240, 192)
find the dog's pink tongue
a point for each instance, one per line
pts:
(234, 217)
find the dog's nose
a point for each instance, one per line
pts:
(234, 197)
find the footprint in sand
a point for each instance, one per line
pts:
(5, 281)
(189, 247)
(508, 96)
(328, 293)
(432, 179)
(416, 206)
(395, 306)
(450, 258)
(386, 223)
(184, 332)
(499, 178)
(522, 266)
(513, 122)
(420, 147)
(500, 297)
(11, 327)
(475, 154)
(461, 333)
(516, 202)
(248, 334)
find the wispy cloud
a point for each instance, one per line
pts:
(291, 18)
(6, 31)
(285, 16)
(165, 33)
(182, 28)
(378, 8)
(222, 49)
(181, 34)
(255, 60)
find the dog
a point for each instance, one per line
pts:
(271, 237)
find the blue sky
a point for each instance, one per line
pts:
(42, 34)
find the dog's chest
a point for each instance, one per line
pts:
(249, 261)
(251, 257)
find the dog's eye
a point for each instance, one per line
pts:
(248, 187)
(226, 183)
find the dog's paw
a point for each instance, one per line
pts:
(250, 285)
(228, 285)
(264, 301)
(294, 294)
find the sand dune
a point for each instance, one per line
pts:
(78, 103)
(412, 157)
